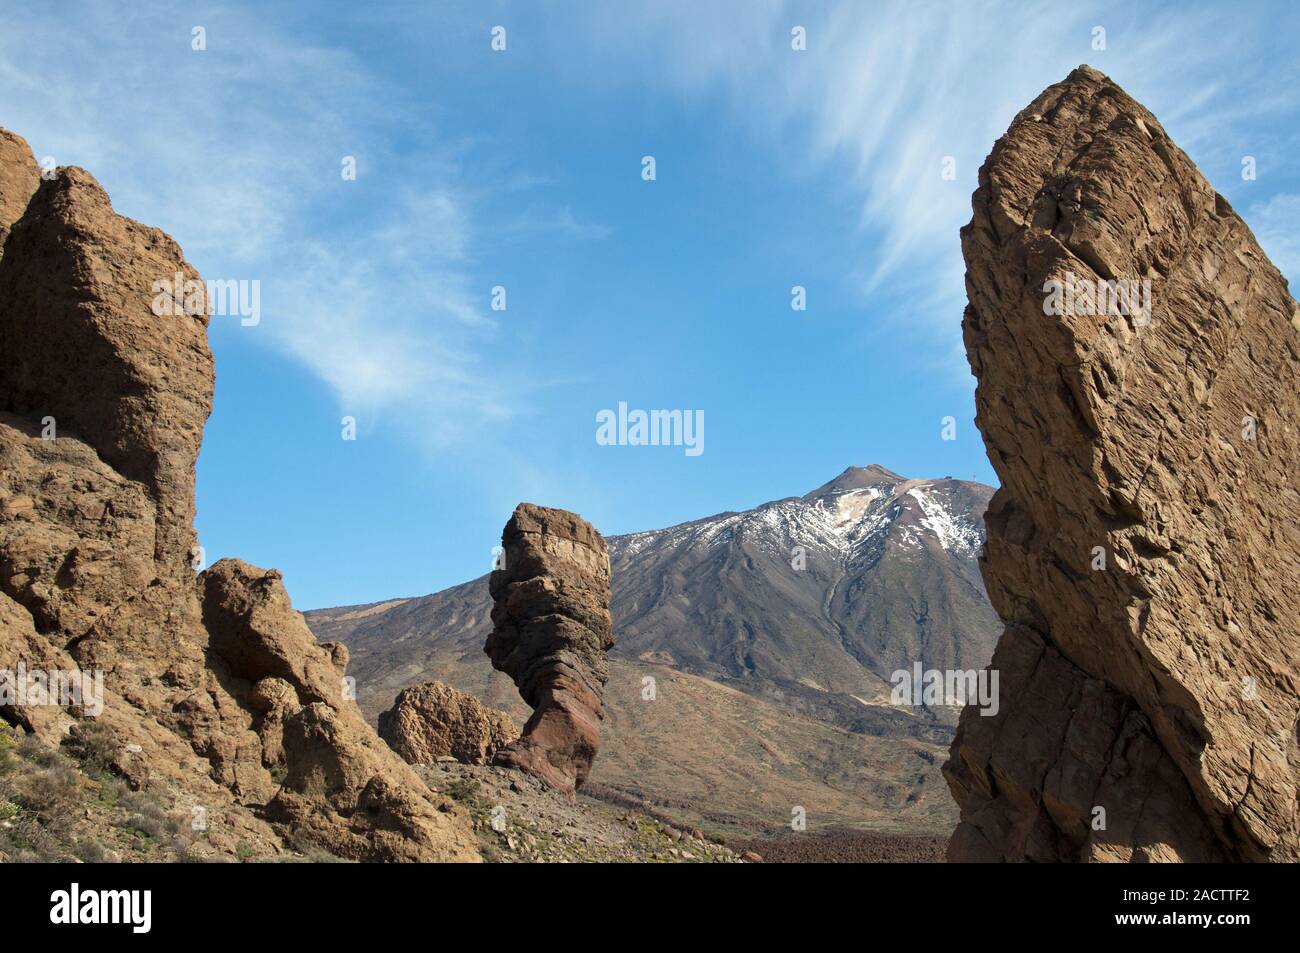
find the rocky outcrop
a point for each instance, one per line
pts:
(1142, 548)
(216, 695)
(342, 788)
(551, 632)
(433, 721)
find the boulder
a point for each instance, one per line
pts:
(432, 721)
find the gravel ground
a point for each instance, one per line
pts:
(518, 820)
(844, 846)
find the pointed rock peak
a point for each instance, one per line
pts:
(857, 478)
(1084, 71)
(19, 177)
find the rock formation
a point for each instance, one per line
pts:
(432, 721)
(1142, 549)
(551, 632)
(216, 692)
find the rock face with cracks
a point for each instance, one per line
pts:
(1142, 549)
(215, 694)
(551, 634)
(433, 721)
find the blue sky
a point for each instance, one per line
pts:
(522, 168)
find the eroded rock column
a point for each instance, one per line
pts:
(1137, 357)
(552, 630)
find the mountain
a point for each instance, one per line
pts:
(790, 616)
(887, 576)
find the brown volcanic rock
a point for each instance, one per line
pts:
(137, 387)
(96, 523)
(1161, 688)
(343, 789)
(347, 791)
(433, 721)
(552, 632)
(211, 685)
(19, 177)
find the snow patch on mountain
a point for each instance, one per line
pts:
(954, 533)
(846, 522)
(850, 507)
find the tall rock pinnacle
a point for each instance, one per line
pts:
(552, 632)
(1137, 357)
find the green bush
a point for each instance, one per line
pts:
(464, 790)
(94, 744)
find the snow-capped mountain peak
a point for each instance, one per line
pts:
(852, 515)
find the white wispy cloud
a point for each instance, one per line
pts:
(1276, 224)
(885, 91)
(536, 220)
(237, 152)
(373, 285)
